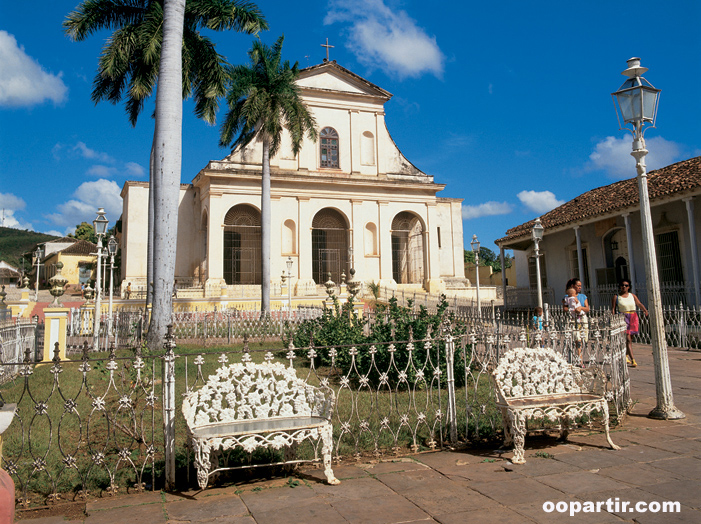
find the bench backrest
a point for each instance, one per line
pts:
(248, 391)
(528, 372)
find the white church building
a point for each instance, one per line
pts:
(350, 199)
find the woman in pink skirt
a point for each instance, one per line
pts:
(625, 302)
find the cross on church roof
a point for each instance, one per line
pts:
(326, 45)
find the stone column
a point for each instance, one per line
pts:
(305, 284)
(434, 282)
(384, 234)
(694, 248)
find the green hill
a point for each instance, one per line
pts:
(14, 242)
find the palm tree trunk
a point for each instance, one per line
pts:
(167, 161)
(265, 229)
(151, 199)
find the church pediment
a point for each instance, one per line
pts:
(330, 76)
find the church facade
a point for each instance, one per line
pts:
(350, 199)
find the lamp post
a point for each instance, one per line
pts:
(476, 250)
(636, 103)
(289, 285)
(537, 234)
(112, 250)
(100, 227)
(38, 254)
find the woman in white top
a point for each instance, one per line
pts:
(625, 302)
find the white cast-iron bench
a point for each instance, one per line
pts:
(539, 383)
(256, 406)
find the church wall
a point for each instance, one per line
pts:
(135, 231)
(189, 239)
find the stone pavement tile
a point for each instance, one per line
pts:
(519, 491)
(489, 472)
(201, 510)
(623, 500)
(687, 467)
(497, 515)
(57, 519)
(449, 459)
(679, 429)
(589, 459)
(410, 479)
(276, 498)
(638, 474)
(538, 514)
(677, 445)
(392, 466)
(446, 496)
(643, 453)
(579, 482)
(352, 489)
(537, 466)
(140, 514)
(312, 512)
(460, 464)
(684, 516)
(239, 519)
(380, 510)
(150, 497)
(340, 472)
(685, 491)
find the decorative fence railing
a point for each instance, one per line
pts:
(15, 339)
(96, 423)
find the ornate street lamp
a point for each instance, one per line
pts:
(476, 250)
(38, 255)
(636, 102)
(112, 250)
(537, 234)
(100, 227)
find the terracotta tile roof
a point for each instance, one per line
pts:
(677, 178)
(80, 247)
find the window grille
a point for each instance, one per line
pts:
(669, 257)
(407, 249)
(574, 267)
(329, 246)
(329, 147)
(532, 278)
(242, 246)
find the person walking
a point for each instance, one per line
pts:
(625, 302)
(581, 331)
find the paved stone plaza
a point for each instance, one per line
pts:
(660, 461)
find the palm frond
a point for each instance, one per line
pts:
(94, 15)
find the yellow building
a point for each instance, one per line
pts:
(78, 258)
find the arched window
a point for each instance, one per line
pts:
(242, 242)
(370, 239)
(367, 149)
(289, 244)
(329, 147)
(407, 249)
(329, 246)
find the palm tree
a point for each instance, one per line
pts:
(263, 98)
(129, 67)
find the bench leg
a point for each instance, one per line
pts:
(326, 450)
(605, 409)
(518, 429)
(202, 463)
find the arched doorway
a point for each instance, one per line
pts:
(242, 243)
(407, 249)
(329, 246)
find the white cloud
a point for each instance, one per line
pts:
(134, 169)
(539, 201)
(86, 199)
(613, 156)
(390, 40)
(101, 171)
(23, 82)
(91, 154)
(485, 210)
(9, 204)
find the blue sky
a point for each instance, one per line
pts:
(507, 103)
